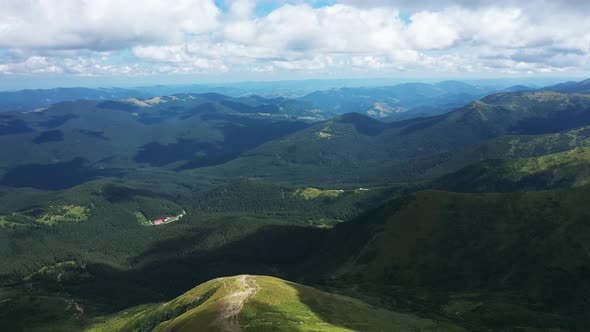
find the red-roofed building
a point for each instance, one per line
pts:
(159, 221)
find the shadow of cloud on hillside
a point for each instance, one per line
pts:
(174, 266)
(49, 136)
(54, 176)
(13, 126)
(57, 120)
(158, 154)
(99, 134)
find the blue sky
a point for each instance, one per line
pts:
(47, 43)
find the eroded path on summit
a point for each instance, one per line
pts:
(243, 288)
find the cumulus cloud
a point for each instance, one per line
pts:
(101, 24)
(372, 36)
(80, 66)
(36, 65)
(430, 30)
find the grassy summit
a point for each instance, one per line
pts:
(262, 303)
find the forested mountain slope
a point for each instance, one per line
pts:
(73, 142)
(558, 170)
(204, 186)
(496, 260)
(355, 149)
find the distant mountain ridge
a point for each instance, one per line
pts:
(518, 88)
(26, 100)
(571, 87)
(397, 102)
(379, 101)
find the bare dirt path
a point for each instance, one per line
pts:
(242, 289)
(72, 304)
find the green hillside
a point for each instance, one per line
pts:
(211, 138)
(493, 260)
(314, 206)
(483, 261)
(354, 149)
(563, 169)
(503, 147)
(113, 138)
(250, 186)
(96, 222)
(106, 227)
(261, 303)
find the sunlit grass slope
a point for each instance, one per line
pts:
(262, 303)
(563, 169)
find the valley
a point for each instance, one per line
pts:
(207, 213)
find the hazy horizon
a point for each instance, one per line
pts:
(336, 82)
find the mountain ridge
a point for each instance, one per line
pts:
(357, 149)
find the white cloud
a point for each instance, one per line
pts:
(101, 24)
(35, 65)
(430, 30)
(195, 36)
(313, 64)
(80, 66)
(179, 57)
(241, 9)
(334, 29)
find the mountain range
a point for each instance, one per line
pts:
(395, 102)
(201, 211)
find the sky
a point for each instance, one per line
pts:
(112, 42)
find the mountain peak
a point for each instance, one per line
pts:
(261, 303)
